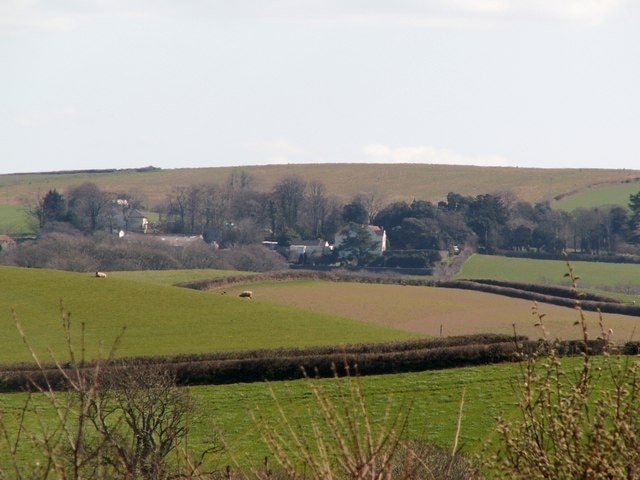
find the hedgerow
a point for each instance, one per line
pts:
(286, 363)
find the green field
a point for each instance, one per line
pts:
(13, 220)
(159, 319)
(163, 319)
(616, 194)
(431, 400)
(172, 277)
(621, 278)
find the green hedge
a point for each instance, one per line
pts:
(281, 364)
(290, 364)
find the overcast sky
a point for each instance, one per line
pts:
(202, 83)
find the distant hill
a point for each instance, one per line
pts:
(393, 181)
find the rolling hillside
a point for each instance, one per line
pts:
(159, 319)
(394, 181)
(598, 195)
(620, 278)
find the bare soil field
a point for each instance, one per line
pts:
(428, 310)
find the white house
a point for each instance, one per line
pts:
(377, 234)
(129, 219)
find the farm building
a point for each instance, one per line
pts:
(308, 249)
(6, 242)
(137, 221)
(128, 219)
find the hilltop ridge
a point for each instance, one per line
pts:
(394, 181)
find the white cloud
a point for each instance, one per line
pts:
(38, 15)
(427, 13)
(377, 153)
(585, 12)
(16, 15)
(279, 151)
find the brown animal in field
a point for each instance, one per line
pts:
(246, 294)
(101, 275)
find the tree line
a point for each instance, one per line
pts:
(239, 213)
(295, 209)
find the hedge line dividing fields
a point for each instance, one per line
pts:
(292, 364)
(371, 359)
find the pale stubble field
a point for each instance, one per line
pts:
(435, 311)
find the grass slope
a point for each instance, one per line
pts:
(160, 319)
(394, 181)
(621, 278)
(616, 194)
(431, 399)
(13, 220)
(172, 277)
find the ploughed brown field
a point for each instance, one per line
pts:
(427, 310)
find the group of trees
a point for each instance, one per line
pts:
(497, 223)
(238, 213)
(493, 222)
(84, 207)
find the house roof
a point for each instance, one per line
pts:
(374, 229)
(135, 213)
(309, 243)
(7, 240)
(379, 231)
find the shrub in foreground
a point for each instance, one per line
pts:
(337, 438)
(573, 425)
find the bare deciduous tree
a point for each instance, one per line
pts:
(372, 201)
(318, 206)
(289, 196)
(87, 204)
(141, 417)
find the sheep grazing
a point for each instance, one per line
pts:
(101, 275)
(246, 294)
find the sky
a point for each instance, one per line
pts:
(99, 84)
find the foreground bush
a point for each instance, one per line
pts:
(122, 424)
(336, 438)
(573, 425)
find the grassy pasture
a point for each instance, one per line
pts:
(432, 399)
(620, 278)
(13, 219)
(160, 319)
(609, 194)
(394, 181)
(426, 310)
(172, 277)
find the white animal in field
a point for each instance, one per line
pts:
(246, 294)
(101, 275)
